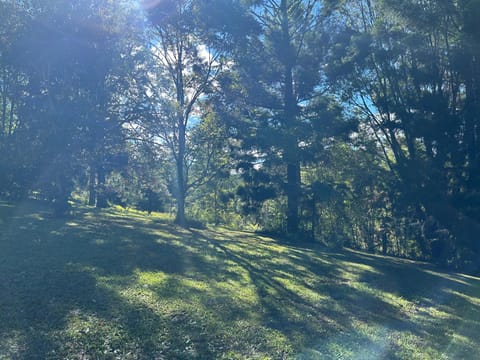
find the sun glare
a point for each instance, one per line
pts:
(149, 4)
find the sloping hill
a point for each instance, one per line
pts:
(121, 285)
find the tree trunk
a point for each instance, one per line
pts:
(293, 193)
(180, 218)
(61, 206)
(101, 194)
(291, 150)
(10, 123)
(215, 206)
(384, 243)
(4, 107)
(472, 128)
(92, 194)
(314, 216)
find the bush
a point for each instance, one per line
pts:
(151, 201)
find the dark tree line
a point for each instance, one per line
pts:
(351, 122)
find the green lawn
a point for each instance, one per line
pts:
(117, 285)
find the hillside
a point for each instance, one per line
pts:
(121, 285)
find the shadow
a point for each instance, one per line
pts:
(357, 296)
(60, 281)
(297, 316)
(111, 285)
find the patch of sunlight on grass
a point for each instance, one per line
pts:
(192, 249)
(460, 340)
(209, 257)
(248, 243)
(247, 295)
(72, 266)
(391, 299)
(407, 345)
(166, 237)
(369, 341)
(87, 333)
(193, 284)
(128, 214)
(240, 248)
(197, 316)
(250, 338)
(119, 208)
(166, 217)
(446, 276)
(272, 247)
(354, 267)
(280, 261)
(143, 297)
(143, 214)
(12, 345)
(239, 271)
(475, 301)
(153, 287)
(300, 290)
(469, 277)
(288, 276)
(150, 278)
(438, 314)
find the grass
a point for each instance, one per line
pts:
(121, 285)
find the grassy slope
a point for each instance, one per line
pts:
(114, 285)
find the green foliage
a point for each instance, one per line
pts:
(277, 109)
(401, 65)
(66, 57)
(151, 201)
(350, 123)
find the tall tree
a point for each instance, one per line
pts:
(186, 69)
(283, 93)
(415, 68)
(12, 83)
(66, 53)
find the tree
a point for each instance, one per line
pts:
(415, 70)
(65, 54)
(282, 92)
(186, 69)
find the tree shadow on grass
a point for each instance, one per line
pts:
(438, 310)
(50, 294)
(82, 288)
(389, 297)
(309, 309)
(69, 316)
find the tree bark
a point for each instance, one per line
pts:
(384, 243)
(314, 216)
(4, 106)
(291, 150)
(180, 218)
(101, 195)
(293, 194)
(92, 194)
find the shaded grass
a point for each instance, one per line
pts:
(120, 285)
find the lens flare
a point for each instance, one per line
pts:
(150, 4)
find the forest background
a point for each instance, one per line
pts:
(351, 123)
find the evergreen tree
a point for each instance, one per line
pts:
(413, 65)
(280, 93)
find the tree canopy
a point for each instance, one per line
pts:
(351, 123)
